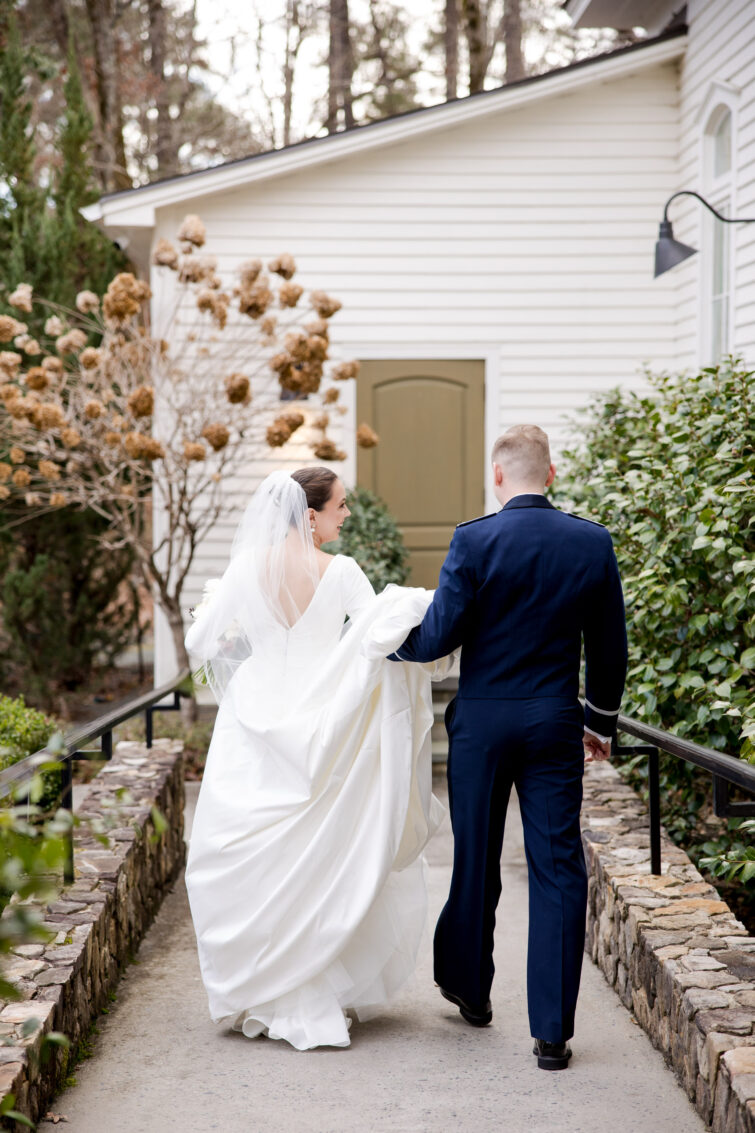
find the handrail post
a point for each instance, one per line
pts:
(654, 798)
(148, 726)
(66, 802)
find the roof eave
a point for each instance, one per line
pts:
(136, 208)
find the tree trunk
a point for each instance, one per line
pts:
(475, 29)
(451, 46)
(512, 39)
(164, 143)
(172, 611)
(293, 43)
(111, 153)
(340, 67)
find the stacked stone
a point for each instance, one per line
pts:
(98, 920)
(673, 950)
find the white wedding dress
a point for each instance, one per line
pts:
(305, 871)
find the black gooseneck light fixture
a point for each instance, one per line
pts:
(670, 252)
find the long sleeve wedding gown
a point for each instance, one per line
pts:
(305, 869)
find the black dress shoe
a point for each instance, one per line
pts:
(478, 1017)
(552, 1056)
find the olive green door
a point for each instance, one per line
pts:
(430, 462)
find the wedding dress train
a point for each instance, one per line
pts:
(305, 869)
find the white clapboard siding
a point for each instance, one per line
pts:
(524, 238)
(720, 49)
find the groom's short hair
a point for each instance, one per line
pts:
(523, 452)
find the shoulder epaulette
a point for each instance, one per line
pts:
(479, 519)
(584, 519)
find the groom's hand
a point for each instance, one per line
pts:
(595, 748)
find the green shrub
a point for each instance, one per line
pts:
(671, 475)
(370, 535)
(23, 730)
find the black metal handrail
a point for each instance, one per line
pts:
(74, 747)
(727, 770)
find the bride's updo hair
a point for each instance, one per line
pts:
(317, 483)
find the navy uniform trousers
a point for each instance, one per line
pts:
(535, 745)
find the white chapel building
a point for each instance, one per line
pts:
(494, 255)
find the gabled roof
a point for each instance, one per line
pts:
(135, 208)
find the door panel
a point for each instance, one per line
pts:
(430, 462)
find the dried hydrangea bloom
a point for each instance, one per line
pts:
(321, 421)
(21, 340)
(31, 346)
(317, 347)
(192, 230)
(141, 401)
(111, 438)
(165, 255)
(4, 492)
(9, 362)
(284, 266)
(119, 422)
(21, 477)
(289, 294)
(139, 446)
(196, 268)
(327, 450)
(8, 391)
(296, 345)
(10, 328)
(217, 435)
(216, 302)
(279, 362)
(54, 326)
(17, 407)
(331, 396)
(237, 389)
(124, 297)
(87, 301)
(93, 409)
(282, 428)
(53, 365)
(249, 271)
(90, 357)
(17, 455)
(254, 301)
(5, 471)
(71, 341)
(58, 499)
(317, 326)
(344, 371)
(32, 499)
(37, 378)
(268, 325)
(49, 470)
(193, 450)
(70, 438)
(21, 298)
(366, 437)
(324, 304)
(47, 417)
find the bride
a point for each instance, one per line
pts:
(305, 868)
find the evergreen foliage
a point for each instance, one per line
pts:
(671, 474)
(60, 607)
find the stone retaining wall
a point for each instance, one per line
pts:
(99, 919)
(675, 953)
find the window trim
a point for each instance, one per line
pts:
(721, 193)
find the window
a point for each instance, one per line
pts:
(718, 189)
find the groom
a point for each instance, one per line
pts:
(519, 591)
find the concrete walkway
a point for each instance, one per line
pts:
(161, 1066)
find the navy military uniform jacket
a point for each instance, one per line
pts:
(519, 592)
